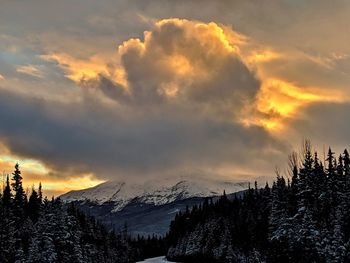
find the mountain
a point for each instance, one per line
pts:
(147, 207)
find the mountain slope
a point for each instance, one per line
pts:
(147, 207)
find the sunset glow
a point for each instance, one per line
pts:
(131, 92)
(280, 101)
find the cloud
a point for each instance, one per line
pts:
(324, 124)
(172, 100)
(35, 172)
(112, 142)
(31, 70)
(279, 102)
(80, 70)
(175, 96)
(205, 65)
(185, 62)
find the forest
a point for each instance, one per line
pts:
(302, 218)
(34, 229)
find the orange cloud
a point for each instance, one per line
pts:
(57, 186)
(178, 53)
(278, 101)
(188, 61)
(206, 46)
(189, 53)
(263, 55)
(77, 69)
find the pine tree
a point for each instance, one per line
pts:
(7, 241)
(7, 195)
(33, 206)
(19, 196)
(293, 189)
(307, 178)
(40, 194)
(346, 159)
(280, 227)
(19, 201)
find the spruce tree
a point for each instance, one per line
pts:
(19, 195)
(33, 206)
(40, 194)
(7, 195)
(7, 241)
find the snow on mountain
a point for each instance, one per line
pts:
(155, 192)
(155, 260)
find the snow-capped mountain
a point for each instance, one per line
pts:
(152, 192)
(148, 207)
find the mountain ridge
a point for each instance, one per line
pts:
(121, 193)
(147, 207)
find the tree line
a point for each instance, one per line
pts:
(34, 229)
(304, 218)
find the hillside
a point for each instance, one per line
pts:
(148, 208)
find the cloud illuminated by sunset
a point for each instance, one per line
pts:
(132, 91)
(84, 69)
(35, 172)
(278, 101)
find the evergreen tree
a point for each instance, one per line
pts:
(7, 241)
(18, 204)
(33, 206)
(40, 194)
(19, 195)
(7, 195)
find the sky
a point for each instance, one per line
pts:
(130, 90)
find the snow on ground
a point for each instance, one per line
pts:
(154, 260)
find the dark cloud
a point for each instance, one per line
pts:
(325, 124)
(87, 137)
